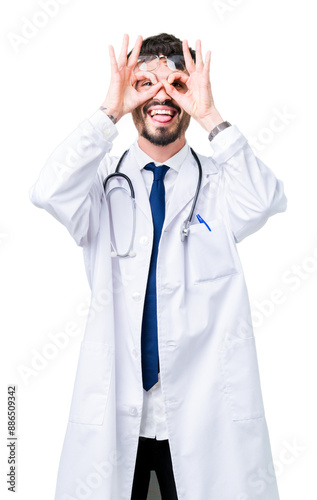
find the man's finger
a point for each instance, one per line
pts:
(190, 65)
(135, 52)
(199, 57)
(149, 94)
(140, 76)
(145, 75)
(182, 77)
(153, 90)
(113, 61)
(207, 63)
(173, 93)
(122, 60)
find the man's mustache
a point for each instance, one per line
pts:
(168, 103)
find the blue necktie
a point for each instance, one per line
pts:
(149, 342)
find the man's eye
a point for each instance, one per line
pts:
(180, 86)
(143, 84)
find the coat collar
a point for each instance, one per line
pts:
(175, 162)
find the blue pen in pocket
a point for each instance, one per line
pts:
(201, 220)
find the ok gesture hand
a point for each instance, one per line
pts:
(122, 97)
(198, 100)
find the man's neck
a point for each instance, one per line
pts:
(161, 153)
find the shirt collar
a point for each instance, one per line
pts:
(175, 162)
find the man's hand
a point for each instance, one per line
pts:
(122, 97)
(198, 101)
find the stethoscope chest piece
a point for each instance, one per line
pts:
(185, 230)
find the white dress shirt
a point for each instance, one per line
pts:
(153, 422)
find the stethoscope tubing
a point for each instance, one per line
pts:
(185, 227)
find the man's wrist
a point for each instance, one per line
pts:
(210, 121)
(113, 115)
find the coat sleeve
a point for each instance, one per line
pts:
(251, 192)
(70, 185)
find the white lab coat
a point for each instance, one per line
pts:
(216, 423)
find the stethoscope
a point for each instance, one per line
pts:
(185, 226)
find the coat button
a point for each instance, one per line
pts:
(171, 344)
(133, 411)
(136, 296)
(144, 240)
(106, 131)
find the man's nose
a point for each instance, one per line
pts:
(162, 94)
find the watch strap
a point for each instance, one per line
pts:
(217, 129)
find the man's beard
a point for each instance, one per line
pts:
(162, 136)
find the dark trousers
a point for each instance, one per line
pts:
(153, 455)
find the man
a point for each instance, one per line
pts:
(167, 378)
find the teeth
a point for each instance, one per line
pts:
(161, 112)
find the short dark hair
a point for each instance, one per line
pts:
(165, 44)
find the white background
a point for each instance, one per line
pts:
(262, 67)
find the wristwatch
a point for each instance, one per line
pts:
(218, 129)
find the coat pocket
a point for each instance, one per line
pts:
(92, 382)
(210, 253)
(241, 379)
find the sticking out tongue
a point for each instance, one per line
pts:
(162, 118)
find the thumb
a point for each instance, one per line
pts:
(173, 93)
(151, 92)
